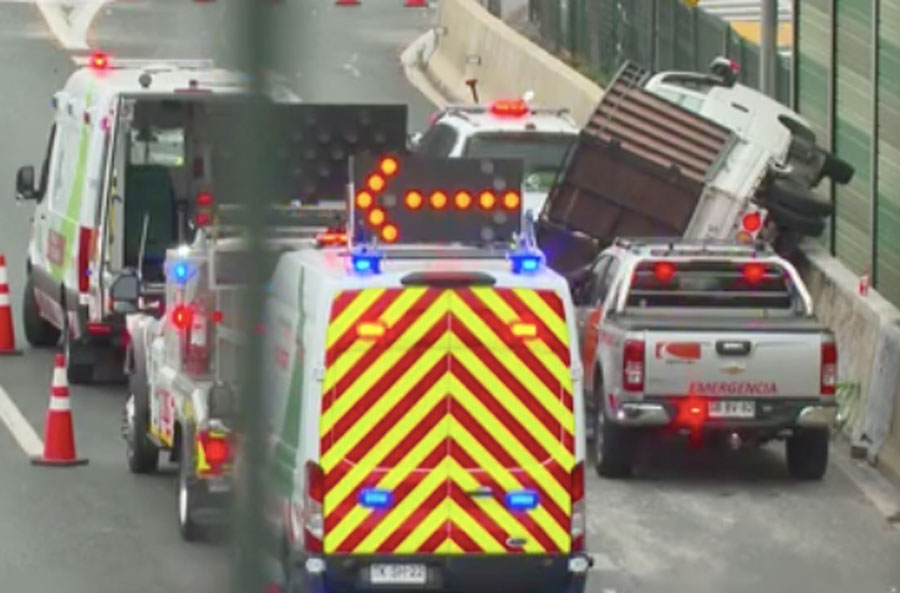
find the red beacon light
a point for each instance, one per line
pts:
(510, 108)
(99, 61)
(752, 222)
(754, 273)
(664, 271)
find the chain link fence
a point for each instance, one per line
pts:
(596, 36)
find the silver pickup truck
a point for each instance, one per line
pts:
(714, 341)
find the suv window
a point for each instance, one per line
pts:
(438, 141)
(606, 270)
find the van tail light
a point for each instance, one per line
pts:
(85, 237)
(633, 365)
(829, 368)
(313, 517)
(579, 519)
(216, 451)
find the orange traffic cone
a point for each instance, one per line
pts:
(7, 330)
(59, 433)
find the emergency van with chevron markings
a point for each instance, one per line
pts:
(114, 192)
(425, 390)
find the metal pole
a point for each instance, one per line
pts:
(873, 148)
(768, 50)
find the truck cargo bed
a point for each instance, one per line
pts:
(708, 323)
(639, 168)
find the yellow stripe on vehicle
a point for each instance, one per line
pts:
(391, 479)
(437, 517)
(551, 401)
(342, 489)
(463, 521)
(348, 316)
(508, 481)
(541, 309)
(493, 508)
(385, 403)
(385, 361)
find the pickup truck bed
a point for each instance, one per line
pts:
(787, 325)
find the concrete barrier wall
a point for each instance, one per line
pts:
(473, 44)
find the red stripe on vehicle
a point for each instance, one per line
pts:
(384, 384)
(468, 504)
(432, 501)
(401, 491)
(461, 539)
(342, 301)
(390, 460)
(505, 460)
(529, 316)
(434, 541)
(485, 479)
(553, 301)
(371, 314)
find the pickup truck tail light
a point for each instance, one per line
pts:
(633, 365)
(313, 518)
(579, 520)
(829, 368)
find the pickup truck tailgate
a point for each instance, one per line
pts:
(732, 364)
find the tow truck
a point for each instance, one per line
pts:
(427, 418)
(182, 358)
(506, 128)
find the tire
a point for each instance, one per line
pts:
(612, 450)
(807, 453)
(141, 454)
(787, 217)
(793, 195)
(77, 373)
(39, 332)
(186, 495)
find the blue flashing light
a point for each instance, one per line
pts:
(181, 271)
(526, 262)
(522, 500)
(374, 498)
(366, 262)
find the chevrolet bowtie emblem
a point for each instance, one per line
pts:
(733, 368)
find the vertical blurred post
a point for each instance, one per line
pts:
(768, 50)
(253, 57)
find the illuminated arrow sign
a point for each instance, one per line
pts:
(416, 199)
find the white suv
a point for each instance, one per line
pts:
(505, 129)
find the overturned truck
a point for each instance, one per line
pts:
(686, 154)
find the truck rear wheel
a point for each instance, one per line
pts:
(187, 495)
(807, 453)
(39, 332)
(613, 445)
(142, 455)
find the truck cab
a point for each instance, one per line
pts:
(506, 128)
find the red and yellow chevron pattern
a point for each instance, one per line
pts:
(466, 389)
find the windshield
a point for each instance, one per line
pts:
(543, 154)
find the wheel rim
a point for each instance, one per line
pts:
(129, 427)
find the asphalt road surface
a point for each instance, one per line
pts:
(688, 522)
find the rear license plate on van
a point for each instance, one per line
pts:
(732, 409)
(398, 574)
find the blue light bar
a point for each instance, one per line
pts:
(366, 262)
(526, 261)
(522, 500)
(181, 271)
(375, 498)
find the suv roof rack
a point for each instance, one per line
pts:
(676, 244)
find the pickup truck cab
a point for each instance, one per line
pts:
(715, 341)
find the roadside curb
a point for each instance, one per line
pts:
(882, 492)
(414, 60)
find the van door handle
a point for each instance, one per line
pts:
(733, 348)
(483, 492)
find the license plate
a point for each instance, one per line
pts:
(732, 409)
(398, 574)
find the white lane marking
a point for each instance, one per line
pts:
(19, 426)
(70, 29)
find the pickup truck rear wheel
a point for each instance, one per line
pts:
(613, 445)
(142, 455)
(190, 529)
(807, 453)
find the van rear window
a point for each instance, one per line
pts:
(728, 284)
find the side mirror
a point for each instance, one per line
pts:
(125, 292)
(25, 183)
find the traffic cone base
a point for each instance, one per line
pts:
(59, 431)
(7, 330)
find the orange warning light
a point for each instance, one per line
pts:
(414, 200)
(438, 200)
(376, 182)
(463, 200)
(389, 166)
(487, 200)
(389, 233)
(511, 200)
(364, 199)
(376, 217)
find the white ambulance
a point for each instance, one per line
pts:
(425, 393)
(115, 190)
